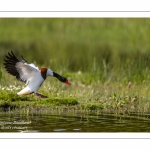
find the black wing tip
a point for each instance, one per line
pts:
(11, 53)
(23, 60)
(11, 56)
(10, 61)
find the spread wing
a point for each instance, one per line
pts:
(19, 68)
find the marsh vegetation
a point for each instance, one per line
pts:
(106, 61)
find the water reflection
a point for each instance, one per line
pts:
(72, 123)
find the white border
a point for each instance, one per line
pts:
(74, 8)
(74, 5)
(74, 135)
(74, 14)
(71, 144)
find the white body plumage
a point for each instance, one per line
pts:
(35, 82)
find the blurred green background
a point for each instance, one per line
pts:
(114, 49)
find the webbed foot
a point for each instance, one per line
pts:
(40, 95)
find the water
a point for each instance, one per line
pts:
(73, 123)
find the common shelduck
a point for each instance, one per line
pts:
(31, 75)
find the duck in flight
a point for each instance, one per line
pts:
(32, 76)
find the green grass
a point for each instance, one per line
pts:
(99, 56)
(83, 95)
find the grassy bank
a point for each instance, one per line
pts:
(85, 94)
(106, 61)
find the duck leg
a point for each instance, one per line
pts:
(40, 95)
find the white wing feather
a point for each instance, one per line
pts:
(26, 71)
